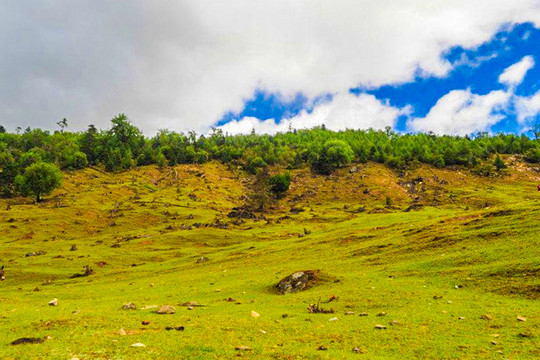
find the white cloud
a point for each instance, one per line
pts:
(527, 108)
(345, 111)
(461, 112)
(514, 75)
(182, 64)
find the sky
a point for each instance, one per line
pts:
(449, 67)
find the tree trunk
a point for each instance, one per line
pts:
(38, 199)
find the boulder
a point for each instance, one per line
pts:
(297, 281)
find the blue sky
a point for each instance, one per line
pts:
(476, 69)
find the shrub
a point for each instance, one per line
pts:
(279, 183)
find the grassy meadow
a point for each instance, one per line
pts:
(447, 277)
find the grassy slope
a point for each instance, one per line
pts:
(478, 249)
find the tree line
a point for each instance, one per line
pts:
(123, 146)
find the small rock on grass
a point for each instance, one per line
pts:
(382, 313)
(493, 342)
(242, 348)
(380, 327)
(254, 314)
(145, 322)
(166, 309)
(129, 306)
(349, 313)
(53, 302)
(122, 332)
(27, 341)
(363, 314)
(177, 328)
(486, 317)
(138, 345)
(322, 347)
(521, 318)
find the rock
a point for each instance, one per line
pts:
(493, 342)
(461, 318)
(138, 345)
(242, 348)
(363, 314)
(191, 304)
(521, 318)
(486, 317)
(380, 327)
(526, 335)
(122, 332)
(27, 341)
(395, 323)
(334, 319)
(297, 281)
(382, 313)
(254, 314)
(53, 302)
(148, 307)
(177, 328)
(145, 322)
(202, 260)
(322, 347)
(349, 313)
(129, 306)
(73, 248)
(166, 309)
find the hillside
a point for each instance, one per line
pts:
(451, 258)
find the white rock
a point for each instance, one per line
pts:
(53, 302)
(333, 319)
(254, 314)
(138, 345)
(122, 332)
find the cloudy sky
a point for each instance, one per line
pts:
(451, 67)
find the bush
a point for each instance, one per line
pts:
(256, 163)
(279, 183)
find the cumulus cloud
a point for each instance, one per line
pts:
(345, 111)
(182, 64)
(514, 75)
(527, 107)
(461, 112)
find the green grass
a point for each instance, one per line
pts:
(479, 260)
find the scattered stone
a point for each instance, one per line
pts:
(242, 348)
(138, 345)
(395, 323)
(486, 317)
(461, 318)
(382, 313)
(166, 309)
(526, 335)
(363, 314)
(493, 342)
(53, 302)
(297, 281)
(322, 347)
(202, 260)
(192, 304)
(148, 307)
(122, 332)
(101, 263)
(26, 340)
(129, 306)
(87, 272)
(145, 322)
(177, 328)
(436, 297)
(73, 248)
(334, 319)
(262, 331)
(254, 314)
(521, 318)
(380, 327)
(349, 313)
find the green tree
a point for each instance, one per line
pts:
(499, 163)
(335, 153)
(38, 179)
